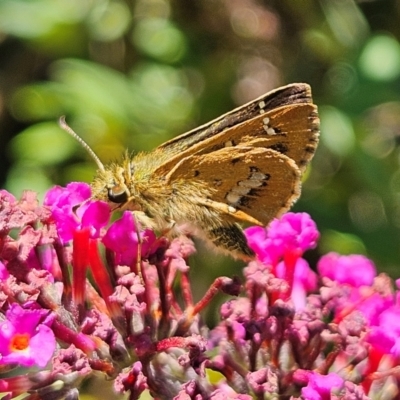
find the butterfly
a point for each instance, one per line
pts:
(245, 167)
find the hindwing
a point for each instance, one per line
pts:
(250, 184)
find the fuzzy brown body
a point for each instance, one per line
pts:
(245, 166)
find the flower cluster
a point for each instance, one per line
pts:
(80, 295)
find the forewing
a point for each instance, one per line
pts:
(250, 184)
(296, 93)
(292, 130)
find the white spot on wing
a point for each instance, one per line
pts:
(250, 183)
(257, 175)
(233, 198)
(270, 131)
(236, 194)
(255, 180)
(240, 190)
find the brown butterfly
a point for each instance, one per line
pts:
(245, 166)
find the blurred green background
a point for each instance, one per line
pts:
(135, 73)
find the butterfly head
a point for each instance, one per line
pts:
(111, 185)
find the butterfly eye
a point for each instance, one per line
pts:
(117, 194)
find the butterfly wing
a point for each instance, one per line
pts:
(291, 129)
(296, 93)
(249, 184)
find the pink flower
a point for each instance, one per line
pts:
(281, 246)
(25, 339)
(71, 210)
(319, 387)
(296, 230)
(355, 270)
(122, 238)
(292, 232)
(385, 337)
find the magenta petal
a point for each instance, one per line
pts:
(294, 230)
(380, 339)
(39, 341)
(122, 238)
(3, 272)
(52, 196)
(96, 216)
(75, 193)
(260, 243)
(320, 386)
(78, 192)
(7, 330)
(24, 319)
(42, 345)
(66, 224)
(119, 234)
(355, 270)
(326, 383)
(255, 234)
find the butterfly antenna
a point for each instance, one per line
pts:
(69, 130)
